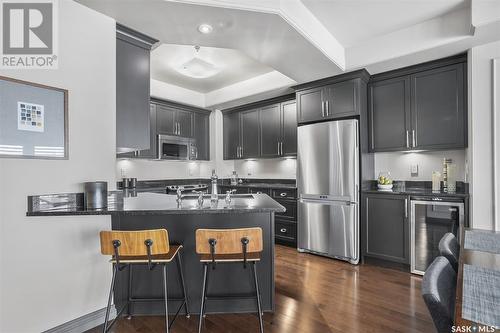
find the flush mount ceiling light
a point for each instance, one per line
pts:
(205, 28)
(198, 68)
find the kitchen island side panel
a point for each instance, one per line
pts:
(226, 279)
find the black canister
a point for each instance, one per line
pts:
(95, 195)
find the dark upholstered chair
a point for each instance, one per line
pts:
(438, 290)
(449, 248)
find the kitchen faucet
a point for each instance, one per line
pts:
(228, 196)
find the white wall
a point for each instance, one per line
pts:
(52, 270)
(399, 164)
(481, 149)
(272, 168)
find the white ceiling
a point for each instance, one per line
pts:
(284, 42)
(265, 37)
(233, 66)
(355, 21)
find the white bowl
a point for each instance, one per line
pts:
(385, 187)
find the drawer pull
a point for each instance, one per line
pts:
(283, 194)
(259, 192)
(283, 230)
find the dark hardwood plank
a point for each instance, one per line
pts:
(316, 294)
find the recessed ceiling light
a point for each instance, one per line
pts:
(205, 28)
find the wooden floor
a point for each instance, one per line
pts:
(315, 294)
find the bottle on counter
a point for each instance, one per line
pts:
(451, 173)
(446, 161)
(436, 181)
(234, 178)
(215, 179)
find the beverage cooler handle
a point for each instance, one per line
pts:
(406, 208)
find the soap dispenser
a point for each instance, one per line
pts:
(215, 179)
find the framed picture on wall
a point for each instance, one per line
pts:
(33, 120)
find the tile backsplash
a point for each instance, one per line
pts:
(400, 164)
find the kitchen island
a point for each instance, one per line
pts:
(136, 211)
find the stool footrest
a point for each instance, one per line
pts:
(234, 296)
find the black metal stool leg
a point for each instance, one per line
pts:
(203, 296)
(129, 296)
(184, 293)
(165, 293)
(257, 291)
(206, 291)
(110, 297)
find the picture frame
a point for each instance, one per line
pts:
(33, 120)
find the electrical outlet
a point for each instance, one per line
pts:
(414, 170)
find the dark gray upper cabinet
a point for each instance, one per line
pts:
(132, 89)
(165, 120)
(170, 118)
(270, 136)
(289, 129)
(184, 121)
(342, 99)
(311, 104)
(385, 227)
(331, 98)
(250, 139)
(266, 129)
(201, 129)
(438, 108)
(174, 121)
(231, 127)
(389, 114)
(420, 107)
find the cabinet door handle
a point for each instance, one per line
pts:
(407, 139)
(281, 145)
(327, 108)
(322, 108)
(414, 138)
(279, 148)
(283, 230)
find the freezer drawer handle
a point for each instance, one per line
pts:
(283, 230)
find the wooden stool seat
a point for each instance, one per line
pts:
(233, 257)
(155, 258)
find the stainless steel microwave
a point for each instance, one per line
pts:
(176, 148)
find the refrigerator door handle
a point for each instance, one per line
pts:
(328, 202)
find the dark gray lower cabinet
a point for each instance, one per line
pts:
(285, 223)
(385, 227)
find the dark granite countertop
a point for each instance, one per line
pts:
(160, 185)
(262, 185)
(416, 189)
(139, 203)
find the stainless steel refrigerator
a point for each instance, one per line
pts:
(328, 185)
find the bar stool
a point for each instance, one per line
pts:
(144, 247)
(229, 246)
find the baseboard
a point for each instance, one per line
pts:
(83, 323)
